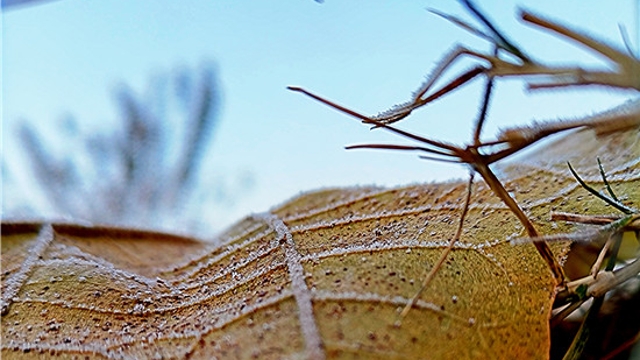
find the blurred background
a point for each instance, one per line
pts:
(175, 115)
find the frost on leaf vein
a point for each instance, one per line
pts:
(300, 290)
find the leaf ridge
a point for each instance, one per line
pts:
(301, 292)
(13, 285)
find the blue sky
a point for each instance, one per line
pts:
(68, 56)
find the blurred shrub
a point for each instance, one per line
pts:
(144, 173)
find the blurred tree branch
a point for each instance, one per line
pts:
(144, 173)
(16, 4)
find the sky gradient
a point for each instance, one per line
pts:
(68, 57)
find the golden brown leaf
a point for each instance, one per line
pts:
(324, 275)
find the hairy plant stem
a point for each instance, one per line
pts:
(492, 180)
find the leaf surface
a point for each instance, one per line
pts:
(324, 275)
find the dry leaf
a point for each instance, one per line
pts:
(324, 275)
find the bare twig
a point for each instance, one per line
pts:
(443, 256)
